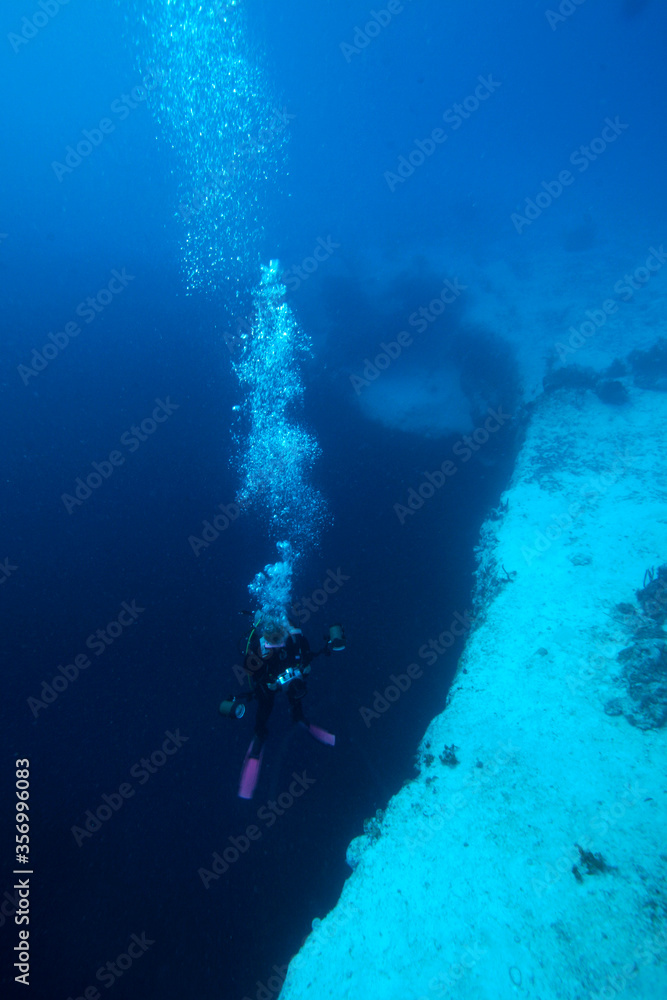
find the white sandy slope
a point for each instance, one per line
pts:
(469, 891)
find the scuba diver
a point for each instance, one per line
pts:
(277, 655)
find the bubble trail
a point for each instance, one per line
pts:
(276, 454)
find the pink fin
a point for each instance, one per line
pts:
(322, 735)
(249, 774)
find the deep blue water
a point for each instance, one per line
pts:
(128, 541)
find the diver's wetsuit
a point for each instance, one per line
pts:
(263, 666)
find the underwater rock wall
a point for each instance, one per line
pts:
(528, 857)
